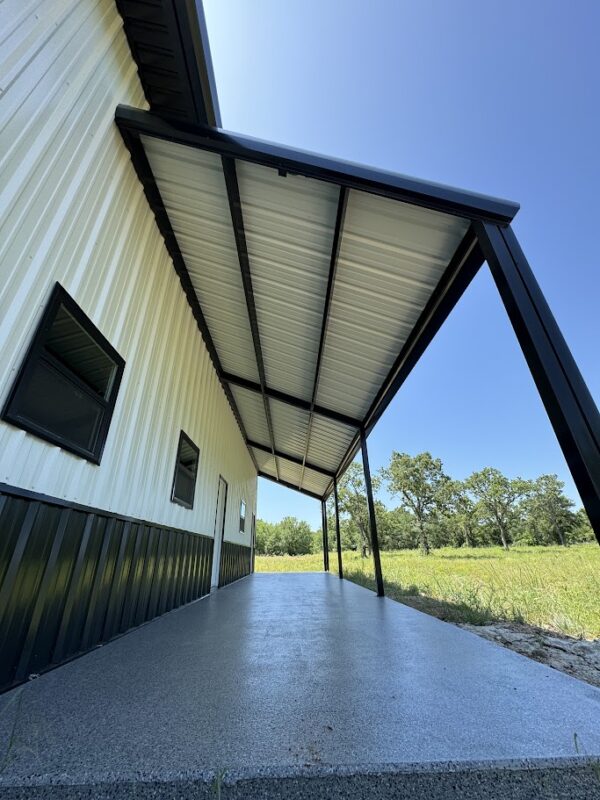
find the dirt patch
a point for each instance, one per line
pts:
(577, 657)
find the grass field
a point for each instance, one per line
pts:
(552, 587)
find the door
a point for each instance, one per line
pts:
(219, 531)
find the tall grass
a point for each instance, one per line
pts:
(557, 588)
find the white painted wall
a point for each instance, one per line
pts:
(72, 210)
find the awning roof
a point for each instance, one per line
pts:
(317, 284)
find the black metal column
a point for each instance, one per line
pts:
(325, 537)
(372, 518)
(337, 529)
(568, 402)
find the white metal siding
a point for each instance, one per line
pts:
(72, 210)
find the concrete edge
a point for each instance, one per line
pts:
(230, 777)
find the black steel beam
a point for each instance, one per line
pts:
(146, 177)
(338, 537)
(287, 485)
(352, 176)
(237, 220)
(463, 267)
(566, 398)
(293, 459)
(282, 397)
(335, 249)
(325, 537)
(372, 517)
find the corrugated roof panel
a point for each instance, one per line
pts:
(252, 411)
(192, 187)
(290, 426)
(392, 256)
(289, 223)
(329, 441)
(290, 472)
(315, 482)
(265, 461)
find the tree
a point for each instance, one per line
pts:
(582, 530)
(421, 486)
(291, 536)
(498, 499)
(548, 512)
(352, 499)
(465, 514)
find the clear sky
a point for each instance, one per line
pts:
(496, 97)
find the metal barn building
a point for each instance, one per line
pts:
(184, 309)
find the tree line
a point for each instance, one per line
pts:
(434, 510)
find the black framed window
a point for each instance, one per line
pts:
(186, 470)
(242, 516)
(67, 386)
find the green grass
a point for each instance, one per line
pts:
(556, 588)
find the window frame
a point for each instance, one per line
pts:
(243, 518)
(37, 352)
(177, 500)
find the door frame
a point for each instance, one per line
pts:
(221, 537)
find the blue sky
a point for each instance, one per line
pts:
(500, 98)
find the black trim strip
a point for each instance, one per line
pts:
(343, 173)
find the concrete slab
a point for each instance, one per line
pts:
(296, 677)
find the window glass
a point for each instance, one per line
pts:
(67, 386)
(242, 516)
(186, 469)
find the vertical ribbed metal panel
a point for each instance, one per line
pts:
(236, 562)
(71, 579)
(72, 210)
(392, 255)
(289, 222)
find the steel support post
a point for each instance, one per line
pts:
(568, 402)
(372, 518)
(325, 538)
(337, 529)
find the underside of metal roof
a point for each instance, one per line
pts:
(316, 284)
(310, 286)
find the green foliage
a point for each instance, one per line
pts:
(435, 511)
(291, 537)
(422, 488)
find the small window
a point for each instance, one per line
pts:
(67, 386)
(242, 516)
(186, 469)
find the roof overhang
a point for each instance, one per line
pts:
(316, 283)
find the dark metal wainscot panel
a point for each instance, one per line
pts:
(235, 562)
(73, 577)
